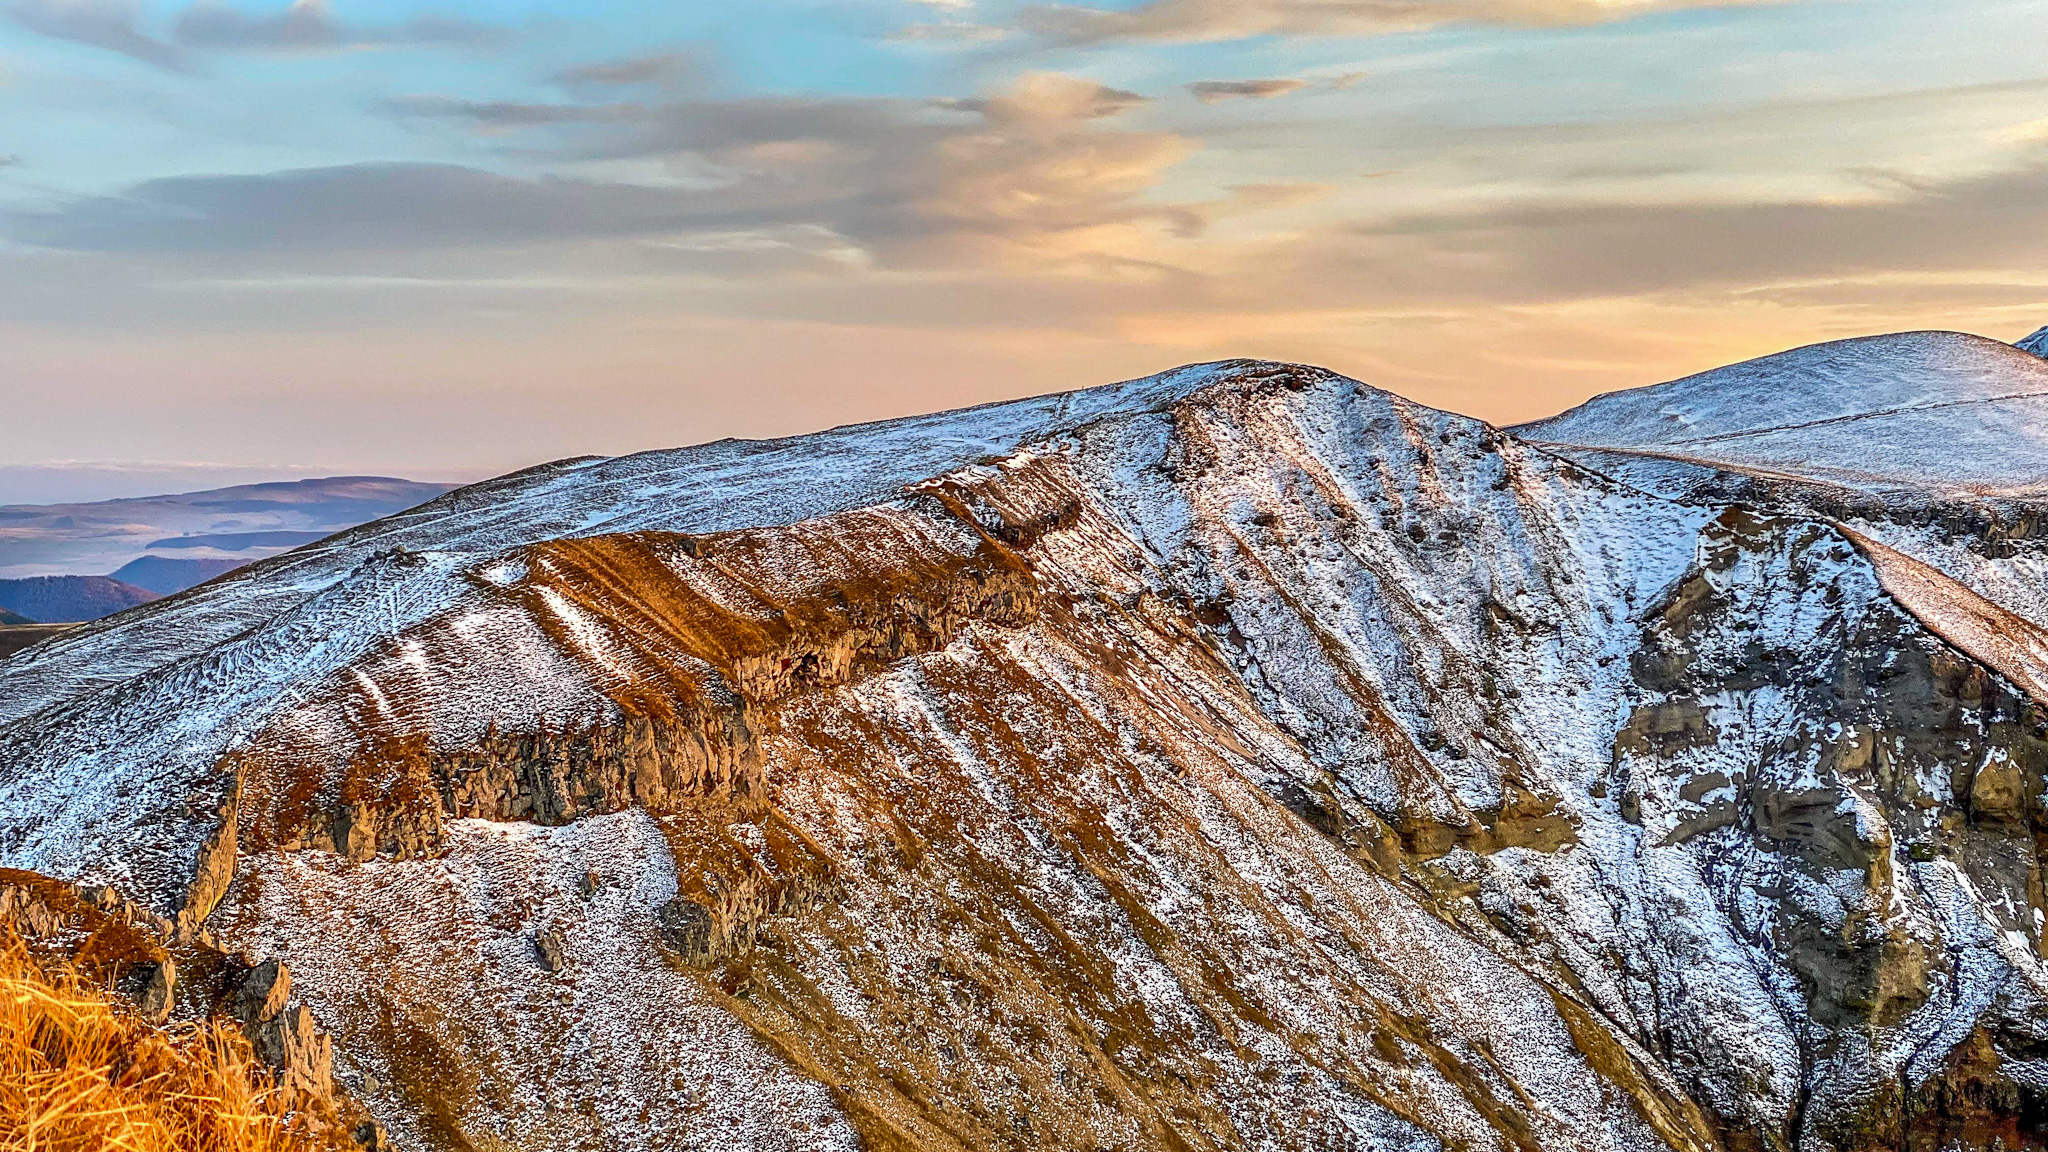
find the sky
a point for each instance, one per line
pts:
(448, 238)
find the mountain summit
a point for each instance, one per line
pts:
(1241, 757)
(1937, 411)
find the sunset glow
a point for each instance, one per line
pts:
(450, 239)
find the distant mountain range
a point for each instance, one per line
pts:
(243, 523)
(240, 541)
(43, 548)
(78, 599)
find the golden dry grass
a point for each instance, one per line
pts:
(80, 1071)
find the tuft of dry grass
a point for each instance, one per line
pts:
(81, 1071)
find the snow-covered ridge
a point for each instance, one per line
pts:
(2011, 645)
(715, 487)
(1931, 410)
(1241, 751)
(112, 730)
(1934, 444)
(1100, 769)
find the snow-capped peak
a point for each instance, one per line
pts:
(1939, 411)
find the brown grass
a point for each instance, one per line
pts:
(80, 1071)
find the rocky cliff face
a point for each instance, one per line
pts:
(1240, 758)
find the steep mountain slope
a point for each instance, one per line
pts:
(7, 617)
(70, 599)
(1236, 758)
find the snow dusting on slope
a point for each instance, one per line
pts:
(1935, 410)
(1362, 776)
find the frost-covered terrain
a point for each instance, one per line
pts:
(1917, 410)
(1935, 443)
(1241, 757)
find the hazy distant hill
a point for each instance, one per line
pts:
(240, 541)
(243, 523)
(13, 618)
(167, 577)
(70, 599)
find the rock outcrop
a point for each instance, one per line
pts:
(172, 974)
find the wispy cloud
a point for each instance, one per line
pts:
(1034, 165)
(496, 115)
(666, 68)
(114, 25)
(1212, 91)
(963, 33)
(308, 25)
(1608, 248)
(304, 26)
(1209, 20)
(362, 207)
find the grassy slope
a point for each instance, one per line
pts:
(80, 1071)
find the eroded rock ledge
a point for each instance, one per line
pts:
(689, 643)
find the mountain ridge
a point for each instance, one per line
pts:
(1236, 757)
(1965, 504)
(1894, 379)
(168, 577)
(704, 467)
